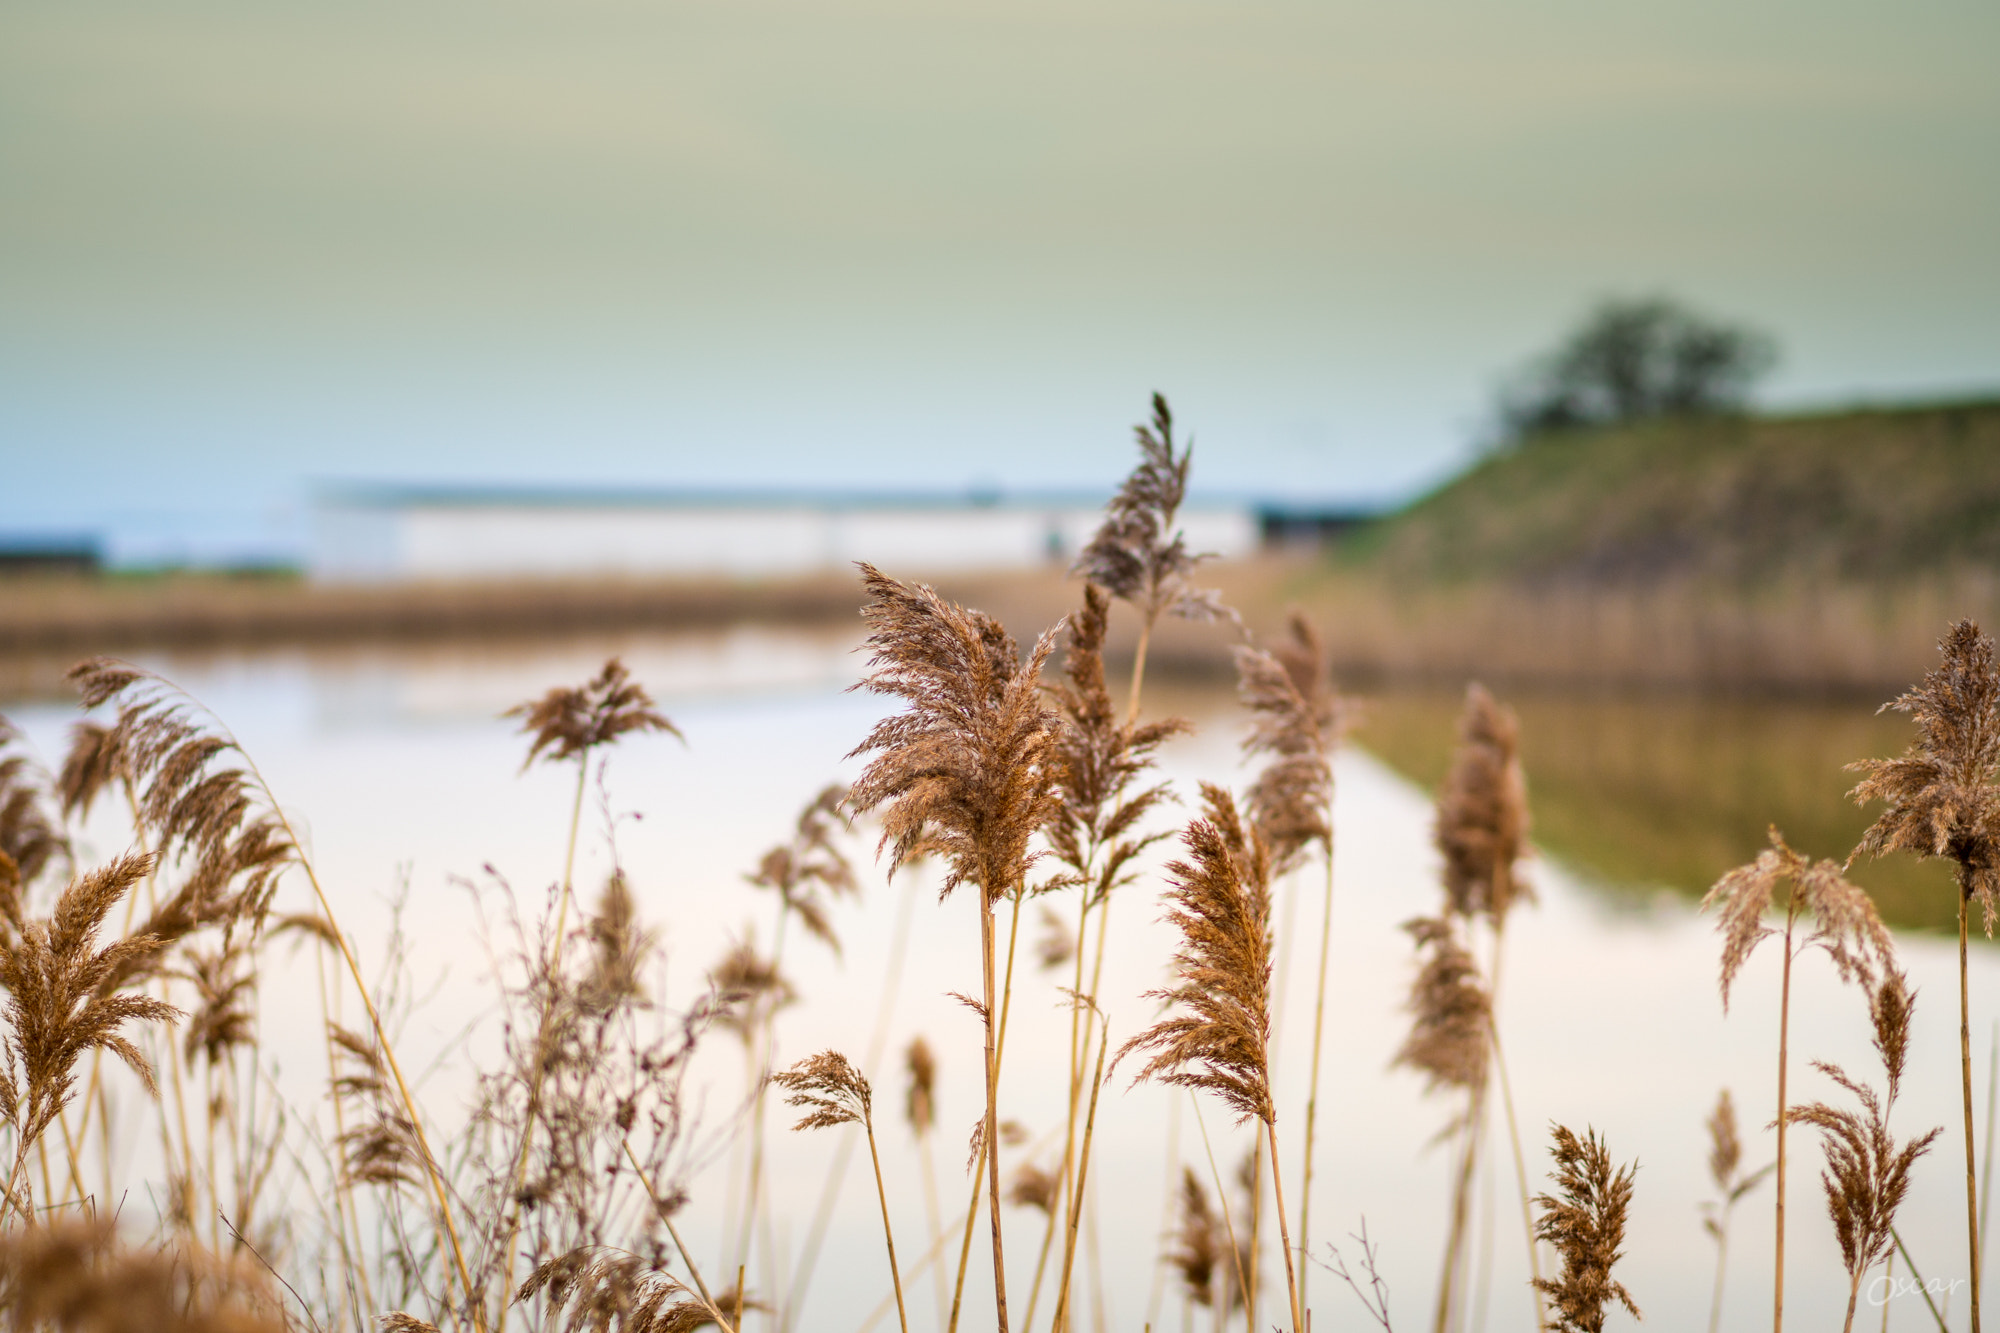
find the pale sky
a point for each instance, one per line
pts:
(248, 245)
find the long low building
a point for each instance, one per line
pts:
(376, 534)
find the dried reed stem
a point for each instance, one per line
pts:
(1082, 1174)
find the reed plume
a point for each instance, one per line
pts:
(1725, 1163)
(595, 1290)
(1586, 1225)
(1482, 833)
(79, 1276)
(1867, 1174)
(1298, 720)
(1942, 799)
(1198, 1244)
(810, 867)
(1450, 1011)
(58, 1006)
(1846, 928)
(1219, 1042)
(965, 771)
(28, 833)
(1137, 554)
(833, 1092)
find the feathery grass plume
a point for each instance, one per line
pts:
(27, 834)
(1586, 1225)
(619, 947)
(1845, 926)
(811, 861)
(1032, 1187)
(1482, 820)
(57, 1007)
(195, 805)
(1943, 799)
(750, 988)
(1298, 720)
(567, 722)
(1451, 1011)
(1221, 903)
(1138, 555)
(76, 1276)
(1199, 1245)
(965, 771)
(225, 985)
(833, 1092)
(1867, 1174)
(1725, 1162)
(604, 1291)
(378, 1147)
(1056, 946)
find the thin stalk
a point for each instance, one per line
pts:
(1965, 1073)
(1784, 1037)
(993, 1117)
(1170, 1210)
(1918, 1278)
(999, 1048)
(1461, 1209)
(1228, 1224)
(1078, 1052)
(934, 1219)
(1721, 1263)
(754, 1190)
(1987, 1167)
(877, 1043)
(1256, 1238)
(520, 1171)
(1284, 1232)
(882, 1195)
(1514, 1141)
(1139, 669)
(661, 1211)
(930, 1261)
(1076, 1215)
(1312, 1086)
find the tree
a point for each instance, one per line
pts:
(1634, 360)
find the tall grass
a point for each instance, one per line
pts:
(555, 1196)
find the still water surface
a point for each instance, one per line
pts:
(407, 782)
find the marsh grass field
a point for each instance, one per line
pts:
(473, 1017)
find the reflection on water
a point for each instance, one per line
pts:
(1671, 791)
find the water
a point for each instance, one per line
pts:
(407, 783)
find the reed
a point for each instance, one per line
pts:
(964, 772)
(1137, 555)
(1732, 1183)
(1219, 1041)
(1585, 1222)
(1845, 926)
(1867, 1174)
(1942, 799)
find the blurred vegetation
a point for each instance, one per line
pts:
(1670, 791)
(1869, 496)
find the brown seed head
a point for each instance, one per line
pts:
(1725, 1149)
(571, 721)
(1296, 721)
(1451, 1009)
(920, 1103)
(1137, 554)
(829, 1089)
(966, 769)
(27, 832)
(812, 864)
(1845, 922)
(1941, 795)
(1221, 902)
(1482, 815)
(1586, 1225)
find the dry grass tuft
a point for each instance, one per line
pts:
(809, 863)
(920, 1103)
(1482, 822)
(1034, 1187)
(1586, 1225)
(1199, 1245)
(606, 1291)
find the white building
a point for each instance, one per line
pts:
(376, 534)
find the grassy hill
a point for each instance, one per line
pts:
(1865, 496)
